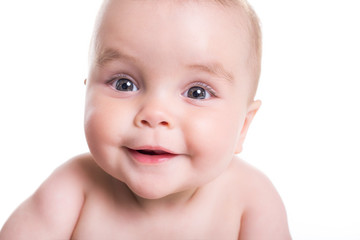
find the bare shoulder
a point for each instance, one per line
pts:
(52, 211)
(264, 215)
(70, 181)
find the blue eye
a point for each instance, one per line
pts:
(197, 93)
(124, 85)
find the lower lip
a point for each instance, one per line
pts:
(151, 159)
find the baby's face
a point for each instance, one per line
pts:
(167, 102)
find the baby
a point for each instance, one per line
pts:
(169, 100)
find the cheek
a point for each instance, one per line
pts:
(104, 121)
(213, 138)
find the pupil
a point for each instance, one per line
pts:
(124, 84)
(196, 92)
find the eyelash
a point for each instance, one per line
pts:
(211, 91)
(203, 85)
(121, 76)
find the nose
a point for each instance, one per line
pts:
(154, 114)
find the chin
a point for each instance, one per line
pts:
(154, 190)
(149, 193)
(146, 187)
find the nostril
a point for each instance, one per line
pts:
(144, 122)
(149, 124)
(164, 123)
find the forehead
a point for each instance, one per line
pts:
(119, 11)
(190, 29)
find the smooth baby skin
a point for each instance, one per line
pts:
(168, 105)
(80, 201)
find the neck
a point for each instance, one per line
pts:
(170, 202)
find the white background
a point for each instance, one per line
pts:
(306, 137)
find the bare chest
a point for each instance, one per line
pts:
(103, 220)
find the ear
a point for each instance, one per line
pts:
(253, 108)
(85, 81)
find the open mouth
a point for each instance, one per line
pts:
(151, 156)
(152, 152)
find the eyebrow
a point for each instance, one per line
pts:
(213, 68)
(111, 54)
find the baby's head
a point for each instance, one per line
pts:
(250, 26)
(245, 20)
(170, 90)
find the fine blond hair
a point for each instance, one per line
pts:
(252, 23)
